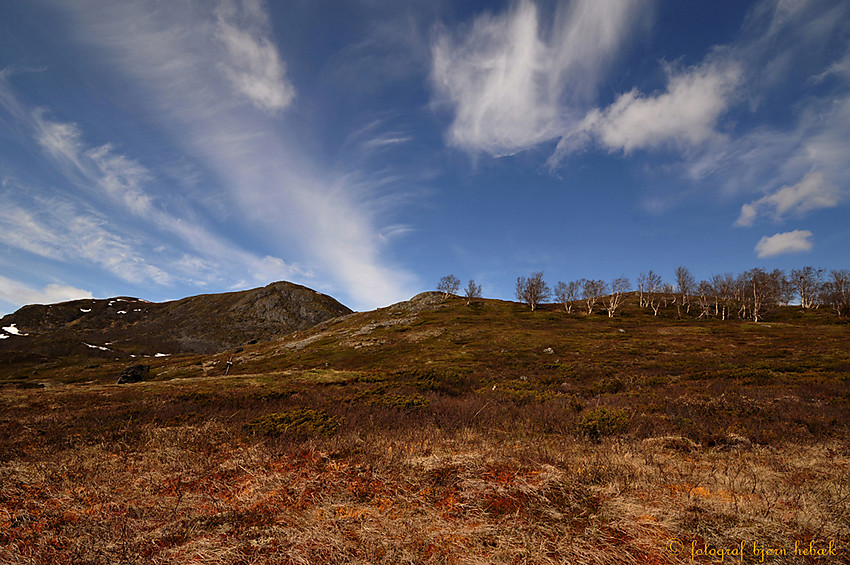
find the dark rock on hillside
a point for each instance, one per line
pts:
(134, 374)
(124, 326)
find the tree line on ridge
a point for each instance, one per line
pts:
(747, 296)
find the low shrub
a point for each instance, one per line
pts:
(603, 422)
(400, 401)
(300, 422)
(612, 386)
(448, 382)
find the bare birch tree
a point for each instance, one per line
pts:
(759, 291)
(684, 287)
(807, 282)
(668, 294)
(723, 287)
(785, 290)
(532, 290)
(619, 286)
(654, 291)
(706, 296)
(642, 285)
(741, 296)
(472, 291)
(836, 292)
(591, 291)
(449, 284)
(567, 293)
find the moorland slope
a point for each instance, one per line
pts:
(433, 431)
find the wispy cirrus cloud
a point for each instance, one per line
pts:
(111, 174)
(79, 223)
(768, 159)
(252, 63)
(796, 241)
(839, 69)
(56, 229)
(377, 136)
(171, 53)
(512, 81)
(779, 36)
(798, 171)
(385, 140)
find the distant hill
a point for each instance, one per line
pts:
(284, 327)
(123, 326)
(490, 340)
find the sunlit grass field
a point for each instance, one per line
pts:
(436, 432)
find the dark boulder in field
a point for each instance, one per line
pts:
(134, 374)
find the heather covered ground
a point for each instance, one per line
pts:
(436, 432)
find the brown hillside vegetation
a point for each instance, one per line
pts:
(436, 432)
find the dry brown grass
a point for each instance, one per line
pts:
(456, 438)
(122, 487)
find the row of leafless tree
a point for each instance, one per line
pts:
(749, 295)
(534, 290)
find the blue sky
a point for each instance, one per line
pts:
(367, 148)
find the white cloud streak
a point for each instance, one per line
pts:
(172, 52)
(685, 114)
(796, 241)
(18, 293)
(57, 228)
(252, 63)
(511, 82)
(112, 175)
(811, 193)
(799, 169)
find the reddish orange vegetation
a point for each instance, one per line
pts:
(175, 497)
(658, 440)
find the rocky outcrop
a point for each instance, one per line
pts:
(428, 300)
(134, 374)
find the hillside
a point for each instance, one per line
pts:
(125, 327)
(435, 432)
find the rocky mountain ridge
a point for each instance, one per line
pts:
(131, 327)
